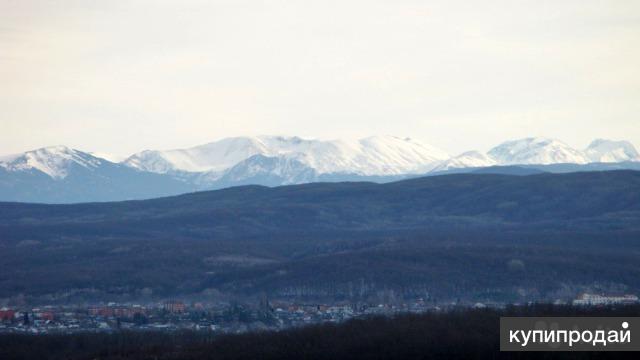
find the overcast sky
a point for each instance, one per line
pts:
(123, 76)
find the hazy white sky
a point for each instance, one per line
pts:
(122, 76)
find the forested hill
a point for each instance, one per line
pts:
(485, 197)
(465, 235)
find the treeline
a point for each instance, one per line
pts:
(468, 264)
(459, 334)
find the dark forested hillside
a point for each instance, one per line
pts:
(480, 236)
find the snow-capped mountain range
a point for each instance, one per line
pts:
(269, 160)
(55, 161)
(376, 155)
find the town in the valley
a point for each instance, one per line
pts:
(227, 317)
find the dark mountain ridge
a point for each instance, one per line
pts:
(519, 198)
(454, 236)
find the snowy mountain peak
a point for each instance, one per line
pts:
(377, 155)
(214, 156)
(536, 151)
(114, 158)
(602, 150)
(274, 160)
(54, 161)
(292, 159)
(269, 170)
(465, 160)
(394, 155)
(150, 160)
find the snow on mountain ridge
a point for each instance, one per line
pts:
(536, 151)
(602, 150)
(294, 159)
(114, 158)
(215, 156)
(379, 155)
(466, 160)
(270, 170)
(543, 151)
(53, 161)
(405, 154)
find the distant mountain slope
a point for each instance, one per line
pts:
(469, 159)
(268, 171)
(276, 160)
(54, 161)
(215, 156)
(544, 151)
(63, 175)
(503, 198)
(536, 151)
(378, 155)
(608, 151)
(448, 236)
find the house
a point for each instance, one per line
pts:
(175, 307)
(6, 314)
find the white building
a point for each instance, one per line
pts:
(595, 299)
